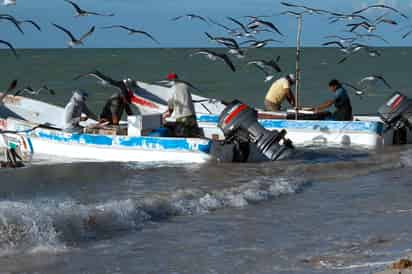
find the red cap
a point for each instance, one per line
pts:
(172, 76)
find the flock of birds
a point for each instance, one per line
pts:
(242, 35)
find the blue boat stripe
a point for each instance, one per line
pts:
(327, 125)
(143, 142)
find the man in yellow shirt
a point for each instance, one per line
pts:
(278, 92)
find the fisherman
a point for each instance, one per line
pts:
(119, 102)
(181, 109)
(74, 110)
(278, 92)
(343, 107)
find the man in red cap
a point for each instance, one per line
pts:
(181, 109)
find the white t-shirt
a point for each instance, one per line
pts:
(181, 102)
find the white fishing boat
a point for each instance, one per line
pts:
(363, 131)
(112, 147)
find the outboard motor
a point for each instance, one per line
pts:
(396, 113)
(240, 125)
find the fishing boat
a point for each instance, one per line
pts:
(308, 129)
(105, 145)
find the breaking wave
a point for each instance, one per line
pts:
(28, 226)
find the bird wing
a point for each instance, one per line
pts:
(271, 25)
(333, 43)
(147, 34)
(406, 34)
(238, 23)
(87, 33)
(119, 26)
(383, 81)
(65, 31)
(11, 87)
(227, 60)
(10, 46)
(218, 24)
(75, 6)
(99, 14)
(33, 23)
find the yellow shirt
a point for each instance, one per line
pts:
(278, 91)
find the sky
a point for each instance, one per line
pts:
(154, 17)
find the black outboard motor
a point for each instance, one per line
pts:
(396, 113)
(240, 125)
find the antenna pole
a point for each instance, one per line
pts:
(297, 73)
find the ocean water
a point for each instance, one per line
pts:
(334, 210)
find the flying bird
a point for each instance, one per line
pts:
(82, 12)
(190, 16)
(133, 31)
(216, 56)
(227, 42)
(272, 64)
(374, 79)
(261, 23)
(73, 40)
(10, 46)
(306, 8)
(381, 6)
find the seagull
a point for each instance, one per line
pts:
(264, 64)
(215, 56)
(246, 32)
(227, 42)
(371, 52)
(133, 31)
(268, 76)
(9, 2)
(31, 91)
(335, 17)
(104, 80)
(259, 23)
(374, 79)
(190, 16)
(380, 6)
(73, 41)
(82, 12)
(10, 46)
(308, 9)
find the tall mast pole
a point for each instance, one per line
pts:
(297, 74)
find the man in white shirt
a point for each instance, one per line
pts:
(181, 109)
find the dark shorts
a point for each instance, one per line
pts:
(187, 127)
(269, 106)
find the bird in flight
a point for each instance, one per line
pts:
(73, 40)
(82, 12)
(133, 31)
(211, 55)
(190, 16)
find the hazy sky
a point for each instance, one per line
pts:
(154, 16)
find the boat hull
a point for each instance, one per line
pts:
(120, 148)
